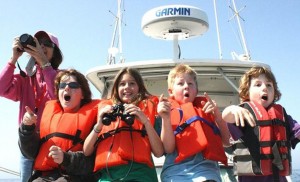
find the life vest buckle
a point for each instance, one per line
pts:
(180, 128)
(282, 143)
(277, 122)
(144, 133)
(77, 138)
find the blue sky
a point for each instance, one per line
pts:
(85, 30)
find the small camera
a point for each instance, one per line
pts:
(26, 39)
(118, 111)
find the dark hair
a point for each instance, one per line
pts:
(254, 72)
(57, 57)
(143, 93)
(84, 85)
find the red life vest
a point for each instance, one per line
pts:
(196, 131)
(118, 143)
(264, 144)
(66, 130)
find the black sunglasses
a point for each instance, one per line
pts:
(71, 85)
(47, 43)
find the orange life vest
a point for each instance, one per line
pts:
(118, 143)
(196, 131)
(263, 144)
(66, 130)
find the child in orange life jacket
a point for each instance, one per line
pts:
(123, 146)
(56, 145)
(262, 130)
(193, 132)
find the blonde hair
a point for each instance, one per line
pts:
(255, 72)
(179, 70)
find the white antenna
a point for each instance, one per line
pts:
(120, 31)
(116, 49)
(237, 16)
(218, 33)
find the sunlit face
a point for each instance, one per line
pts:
(47, 47)
(184, 89)
(127, 88)
(261, 91)
(69, 97)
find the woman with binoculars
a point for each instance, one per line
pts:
(34, 87)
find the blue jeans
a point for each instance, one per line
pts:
(26, 168)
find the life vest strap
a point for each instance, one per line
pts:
(281, 143)
(245, 158)
(271, 122)
(118, 130)
(181, 127)
(76, 139)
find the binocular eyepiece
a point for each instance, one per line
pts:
(118, 111)
(26, 39)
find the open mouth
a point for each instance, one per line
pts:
(67, 97)
(186, 95)
(264, 97)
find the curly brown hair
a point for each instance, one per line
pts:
(254, 72)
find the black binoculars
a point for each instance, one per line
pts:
(26, 39)
(118, 111)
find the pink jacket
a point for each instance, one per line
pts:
(32, 91)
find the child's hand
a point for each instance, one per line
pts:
(242, 114)
(210, 106)
(163, 107)
(136, 111)
(29, 117)
(102, 111)
(56, 154)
